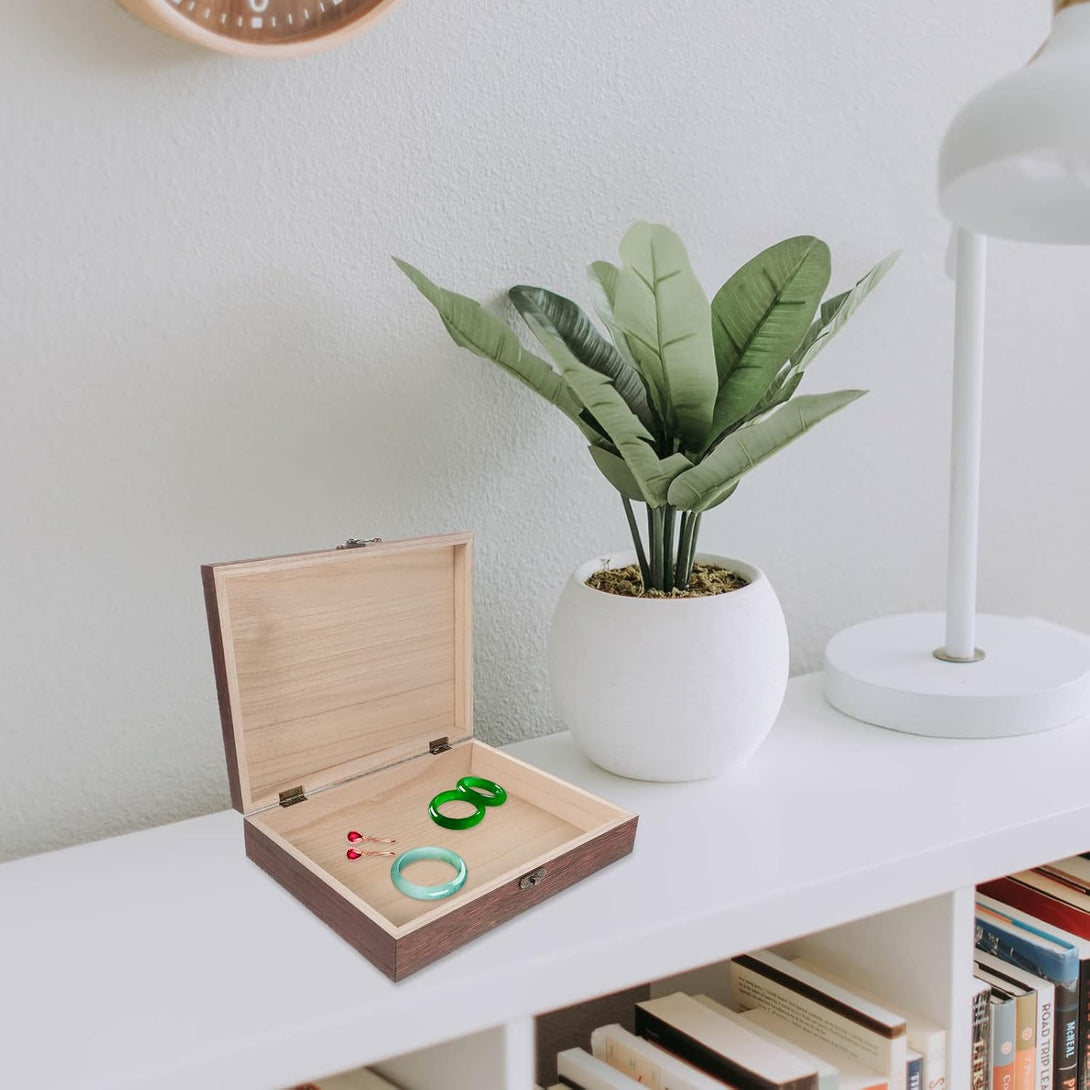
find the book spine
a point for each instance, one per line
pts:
(1003, 1033)
(1046, 1031)
(624, 1060)
(914, 1072)
(981, 1056)
(932, 1048)
(1065, 1041)
(1025, 1040)
(1084, 1025)
(660, 1032)
(1017, 946)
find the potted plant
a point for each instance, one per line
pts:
(668, 664)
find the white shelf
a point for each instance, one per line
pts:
(165, 958)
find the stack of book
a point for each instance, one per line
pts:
(1033, 963)
(789, 1025)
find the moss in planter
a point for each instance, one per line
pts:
(628, 583)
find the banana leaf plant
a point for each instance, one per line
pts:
(683, 397)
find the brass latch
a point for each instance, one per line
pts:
(292, 796)
(440, 745)
(534, 878)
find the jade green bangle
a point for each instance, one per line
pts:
(455, 822)
(474, 788)
(429, 893)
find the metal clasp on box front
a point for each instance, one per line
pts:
(534, 878)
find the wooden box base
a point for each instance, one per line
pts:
(546, 824)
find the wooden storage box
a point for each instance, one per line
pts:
(345, 683)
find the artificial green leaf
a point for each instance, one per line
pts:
(722, 495)
(603, 278)
(759, 317)
(616, 471)
(833, 316)
(835, 313)
(622, 427)
(471, 326)
(563, 328)
(704, 485)
(663, 313)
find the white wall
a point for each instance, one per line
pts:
(207, 354)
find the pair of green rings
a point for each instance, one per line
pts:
(477, 791)
(481, 793)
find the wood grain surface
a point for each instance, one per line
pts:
(334, 663)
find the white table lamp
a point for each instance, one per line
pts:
(1016, 164)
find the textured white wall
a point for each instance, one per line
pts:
(207, 354)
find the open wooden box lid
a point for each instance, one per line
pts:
(336, 663)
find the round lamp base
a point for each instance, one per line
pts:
(1034, 676)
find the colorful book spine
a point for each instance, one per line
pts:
(1002, 1043)
(980, 1076)
(1025, 1040)
(914, 1070)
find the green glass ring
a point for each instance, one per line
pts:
(455, 822)
(429, 893)
(477, 789)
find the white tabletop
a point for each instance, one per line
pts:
(165, 958)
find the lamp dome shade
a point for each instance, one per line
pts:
(1015, 162)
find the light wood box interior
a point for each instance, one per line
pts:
(337, 671)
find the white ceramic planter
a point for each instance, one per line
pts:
(669, 689)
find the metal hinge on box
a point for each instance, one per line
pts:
(292, 796)
(440, 745)
(360, 543)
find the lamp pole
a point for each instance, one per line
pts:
(961, 571)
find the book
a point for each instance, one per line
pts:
(1046, 995)
(872, 1034)
(913, 1069)
(1066, 925)
(578, 1070)
(852, 1075)
(1002, 1040)
(361, 1079)
(828, 1076)
(719, 1046)
(921, 1034)
(1058, 884)
(981, 1061)
(1025, 1028)
(645, 1063)
(1075, 870)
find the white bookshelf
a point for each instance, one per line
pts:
(166, 959)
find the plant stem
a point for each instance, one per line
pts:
(691, 552)
(656, 518)
(684, 544)
(668, 547)
(641, 556)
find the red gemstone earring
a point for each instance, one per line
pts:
(361, 838)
